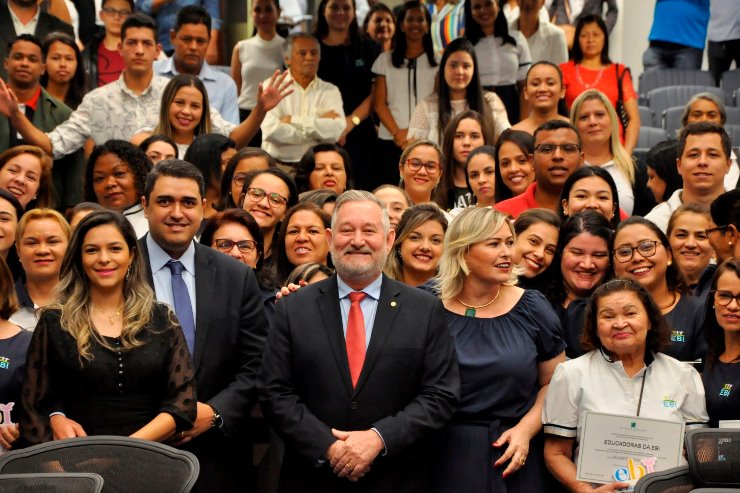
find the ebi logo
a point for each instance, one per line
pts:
(635, 469)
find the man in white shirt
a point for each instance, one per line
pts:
(703, 161)
(546, 41)
(312, 114)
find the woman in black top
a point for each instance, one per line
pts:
(346, 61)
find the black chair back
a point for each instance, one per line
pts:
(714, 456)
(675, 480)
(79, 482)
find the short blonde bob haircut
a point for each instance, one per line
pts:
(473, 225)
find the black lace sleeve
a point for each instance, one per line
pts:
(180, 400)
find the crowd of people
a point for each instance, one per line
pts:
(407, 254)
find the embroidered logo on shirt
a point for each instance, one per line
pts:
(677, 336)
(668, 402)
(4, 362)
(726, 390)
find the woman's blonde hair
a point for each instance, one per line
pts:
(37, 215)
(473, 225)
(412, 218)
(621, 157)
(73, 292)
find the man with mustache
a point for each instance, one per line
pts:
(359, 369)
(557, 154)
(25, 66)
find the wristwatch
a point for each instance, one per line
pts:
(217, 421)
(355, 120)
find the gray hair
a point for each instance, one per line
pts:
(288, 43)
(361, 196)
(709, 97)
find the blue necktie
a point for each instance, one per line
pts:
(183, 308)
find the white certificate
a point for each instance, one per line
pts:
(625, 448)
(730, 423)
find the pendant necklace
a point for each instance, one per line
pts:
(110, 318)
(596, 81)
(470, 309)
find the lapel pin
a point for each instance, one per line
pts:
(393, 303)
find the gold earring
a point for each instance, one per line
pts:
(670, 262)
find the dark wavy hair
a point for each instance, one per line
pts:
(398, 56)
(237, 216)
(474, 32)
(283, 267)
(576, 53)
(78, 84)
(308, 163)
(586, 221)
(473, 93)
(527, 219)
(322, 27)
(133, 156)
(525, 142)
(585, 172)
(658, 333)
(205, 154)
(675, 280)
(227, 201)
(447, 183)
(713, 332)
(661, 158)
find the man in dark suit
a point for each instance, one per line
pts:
(23, 14)
(359, 369)
(219, 306)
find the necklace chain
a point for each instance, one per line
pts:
(471, 309)
(110, 318)
(596, 81)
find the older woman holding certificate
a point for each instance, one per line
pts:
(623, 373)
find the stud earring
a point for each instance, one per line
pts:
(670, 262)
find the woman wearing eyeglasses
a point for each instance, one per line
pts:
(267, 195)
(235, 233)
(721, 375)
(245, 160)
(643, 253)
(421, 170)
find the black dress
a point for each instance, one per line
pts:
(498, 385)
(349, 67)
(722, 391)
(114, 393)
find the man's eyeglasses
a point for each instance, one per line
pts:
(274, 199)
(116, 12)
(645, 248)
(550, 148)
(416, 164)
(724, 298)
(244, 246)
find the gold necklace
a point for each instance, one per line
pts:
(110, 318)
(470, 309)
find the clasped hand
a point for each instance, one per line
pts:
(354, 451)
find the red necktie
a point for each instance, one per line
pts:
(355, 338)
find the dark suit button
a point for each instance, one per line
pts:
(353, 405)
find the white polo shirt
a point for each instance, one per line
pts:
(673, 391)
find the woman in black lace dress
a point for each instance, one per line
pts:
(106, 358)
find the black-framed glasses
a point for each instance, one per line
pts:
(722, 229)
(550, 148)
(724, 298)
(116, 12)
(414, 164)
(646, 248)
(274, 199)
(244, 246)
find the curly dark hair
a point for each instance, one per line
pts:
(137, 161)
(658, 331)
(308, 163)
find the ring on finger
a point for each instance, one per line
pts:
(349, 464)
(522, 460)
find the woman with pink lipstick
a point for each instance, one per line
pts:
(508, 344)
(581, 264)
(106, 358)
(302, 239)
(689, 241)
(543, 91)
(42, 237)
(417, 249)
(421, 169)
(466, 131)
(722, 332)
(514, 166)
(380, 25)
(25, 171)
(623, 373)
(537, 233)
(114, 178)
(324, 166)
(267, 195)
(643, 253)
